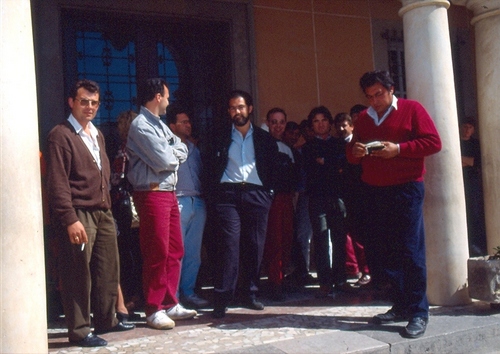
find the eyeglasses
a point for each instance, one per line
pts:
(237, 108)
(376, 96)
(85, 102)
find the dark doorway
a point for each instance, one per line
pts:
(119, 50)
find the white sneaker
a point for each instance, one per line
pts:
(180, 313)
(160, 320)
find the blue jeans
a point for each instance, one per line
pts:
(193, 217)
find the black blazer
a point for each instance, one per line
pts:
(266, 157)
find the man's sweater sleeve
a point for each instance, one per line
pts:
(426, 141)
(59, 191)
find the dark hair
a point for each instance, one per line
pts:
(469, 120)
(303, 125)
(378, 76)
(275, 110)
(319, 110)
(243, 94)
(89, 85)
(357, 108)
(151, 88)
(342, 117)
(291, 126)
(173, 111)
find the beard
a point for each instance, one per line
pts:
(240, 120)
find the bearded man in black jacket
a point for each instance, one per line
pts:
(243, 178)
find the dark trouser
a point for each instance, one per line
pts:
(328, 223)
(395, 243)
(475, 216)
(242, 216)
(129, 250)
(302, 236)
(96, 268)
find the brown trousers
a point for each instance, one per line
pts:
(89, 278)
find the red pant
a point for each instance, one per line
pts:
(355, 257)
(161, 247)
(278, 248)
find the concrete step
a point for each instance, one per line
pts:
(304, 324)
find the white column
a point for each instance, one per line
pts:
(486, 22)
(429, 80)
(23, 323)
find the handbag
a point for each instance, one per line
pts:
(121, 193)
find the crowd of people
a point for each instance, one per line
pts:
(341, 193)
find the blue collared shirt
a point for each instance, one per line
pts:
(371, 112)
(89, 140)
(241, 159)
(188, 182)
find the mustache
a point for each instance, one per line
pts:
(240, 120)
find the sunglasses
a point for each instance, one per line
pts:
(86, 102)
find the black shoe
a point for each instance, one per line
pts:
(120, 327)
(277, 296)
(276, 293)
(219, 312)
(253, 304)
(416, 327)
(388, 317)
(324, 291)
(90, 340)
(345, 287)
(122, 317)
(194, 302)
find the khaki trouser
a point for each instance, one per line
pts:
(89, 278)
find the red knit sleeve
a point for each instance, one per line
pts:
(425, 140)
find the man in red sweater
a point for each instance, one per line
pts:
(402, 134)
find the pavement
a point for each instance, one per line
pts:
(340, 323)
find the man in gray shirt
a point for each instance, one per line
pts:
(155, 155)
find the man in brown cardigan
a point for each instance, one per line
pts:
(78, 177)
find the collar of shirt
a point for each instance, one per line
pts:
(241, 166)
(348, 138)
(90, 141)
(371, 112)
(156, 122)
(147, 113)
(235, 133)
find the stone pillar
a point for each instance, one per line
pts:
(486, 22)
(429, 80)
(23, 326)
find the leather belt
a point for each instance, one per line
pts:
(242, 186)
